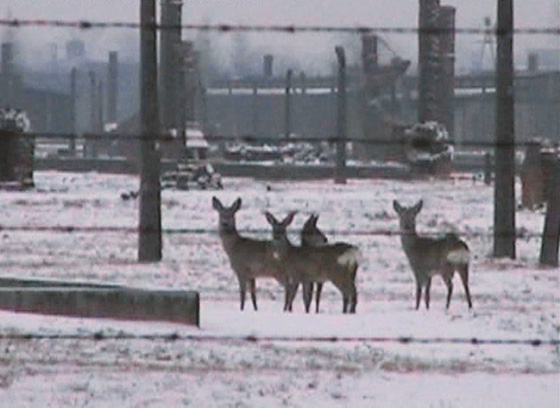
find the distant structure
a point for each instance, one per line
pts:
(75, 49)
(16, 150)
(436, 59)
(171, 80)
(488, 43)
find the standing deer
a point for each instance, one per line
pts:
(337, 263)
(312, 236)
(432, 256)
(249, 258)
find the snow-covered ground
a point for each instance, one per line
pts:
(281, 364)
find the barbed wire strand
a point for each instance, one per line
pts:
(100, 336)
(74, 229)
(289, 28)
(250, 138)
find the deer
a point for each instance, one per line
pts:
(249, 258)
(312, 236)
(337, 263)
(432, 256)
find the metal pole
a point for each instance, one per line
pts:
(504, 191)
(112, 86)
(149, 242)
(100, 110)
(73, 94)
(288, 107)
(92, 102)
(340, 170)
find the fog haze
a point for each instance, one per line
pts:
(314, 52)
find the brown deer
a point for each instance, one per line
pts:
(337, 263)
(249, 258)
(312, 236)
(432, 256)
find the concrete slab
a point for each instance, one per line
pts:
(99, 301)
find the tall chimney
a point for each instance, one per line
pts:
(7, 90)
(447, 83)
(428, 60)
(267, 66)
(170, 60)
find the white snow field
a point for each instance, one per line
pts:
(269, 358)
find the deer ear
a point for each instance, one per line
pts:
(289, 218)
(398, 208)
(418, 206)
(216, 204)
(236, 205)
(315, 219)
(270, 218)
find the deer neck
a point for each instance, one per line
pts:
(408, 237)
(281, 245)
(229, 236)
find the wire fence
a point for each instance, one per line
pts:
(288, 29)
(74, 229)
(254, 138)
(175, 337)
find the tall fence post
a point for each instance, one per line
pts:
(149, 242)
(551, 233)
(340, 169)
(504, 191)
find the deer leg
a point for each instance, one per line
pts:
(418, 294)
(287, 288)
(242, 289)
(449, 285)
(353, 298)
(318, 296)
(464, 274)
(427, 293)
(253, 287)
(293, 292)
(307, 295)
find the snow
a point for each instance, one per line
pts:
(280, 364)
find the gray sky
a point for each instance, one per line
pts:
(312, 51)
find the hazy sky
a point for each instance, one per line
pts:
(312, 51)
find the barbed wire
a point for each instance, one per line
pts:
(252, 138)
(74, 229)
(174, 337)
(288, 29)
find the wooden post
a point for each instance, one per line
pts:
(149, 242)
(487, 168)
(551, 233)
(288, 107)
(340, 170)
(504, 191)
